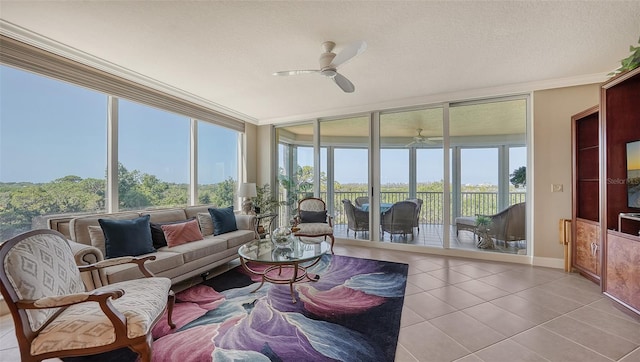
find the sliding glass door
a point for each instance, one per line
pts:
(488, 141)
(452, 160)
(411, 169)
(346, 145)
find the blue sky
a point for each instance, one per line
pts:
(50, 129)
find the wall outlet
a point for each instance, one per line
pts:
(557, 188)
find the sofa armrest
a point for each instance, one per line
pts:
(88, 255)
(85, 254)
(246, 222)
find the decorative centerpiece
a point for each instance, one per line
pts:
(281, 237)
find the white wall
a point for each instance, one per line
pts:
(552, 111)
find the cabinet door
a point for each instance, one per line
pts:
(587, 247)
(623, 268)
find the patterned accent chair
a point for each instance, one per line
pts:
(312, 220)
(399, 219)
(54, 314)
(357, 219)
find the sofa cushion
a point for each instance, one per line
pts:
(224, 220)
(157, 234)
(127, 237)
(164, 261)
(313, 216)
(199, 249)
(238, 237)
(164, 216)
(181, 233)
(206, 223)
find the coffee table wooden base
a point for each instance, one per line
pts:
(273, 274)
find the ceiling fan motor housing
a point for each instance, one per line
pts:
(326, 68)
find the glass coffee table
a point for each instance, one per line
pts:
(284, 265)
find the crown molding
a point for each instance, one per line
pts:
(39, 41)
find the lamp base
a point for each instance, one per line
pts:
(247, 206)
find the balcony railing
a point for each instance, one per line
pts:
(472, 203)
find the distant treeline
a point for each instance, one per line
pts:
(21, 202)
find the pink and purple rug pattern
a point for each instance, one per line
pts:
(351, 314)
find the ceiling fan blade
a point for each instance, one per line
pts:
(349, 52)
(344, 83)
(295, 72)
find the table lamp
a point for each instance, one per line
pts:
(247, 190)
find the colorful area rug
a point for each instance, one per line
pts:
(352, 313)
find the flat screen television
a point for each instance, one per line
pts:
(633, 173)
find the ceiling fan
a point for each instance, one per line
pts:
(420, 139)
(329, 63)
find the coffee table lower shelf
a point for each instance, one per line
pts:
(273, 274)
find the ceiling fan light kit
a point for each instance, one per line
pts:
(329, 63)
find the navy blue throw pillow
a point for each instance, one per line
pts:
(224, 220)
(127, 237)
(313, 216)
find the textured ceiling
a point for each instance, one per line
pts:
(224, 52)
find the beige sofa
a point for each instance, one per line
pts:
(177, 263)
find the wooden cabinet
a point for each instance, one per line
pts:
(620, 123)
(586, 193)
(586, 249)
(623, 269)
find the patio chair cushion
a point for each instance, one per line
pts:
(466, 221)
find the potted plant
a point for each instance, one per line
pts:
(483, 224)
(265, 203)
(629, 63)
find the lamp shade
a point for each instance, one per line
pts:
(247, 190)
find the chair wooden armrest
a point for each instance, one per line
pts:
(69, 299)
(140, 260)
(103, 298)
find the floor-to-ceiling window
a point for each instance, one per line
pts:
(217, 164)
(52, 149)
(411, 168)
(153, 154)
(296, 172)
(430, 189)
(454, 159)
(488, 140)
(344, 144)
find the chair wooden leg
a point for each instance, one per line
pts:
(333, 240)
(143, 349)
(171, 300)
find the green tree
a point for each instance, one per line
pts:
(519, 177)
(223, 194)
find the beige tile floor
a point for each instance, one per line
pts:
(471, 310)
